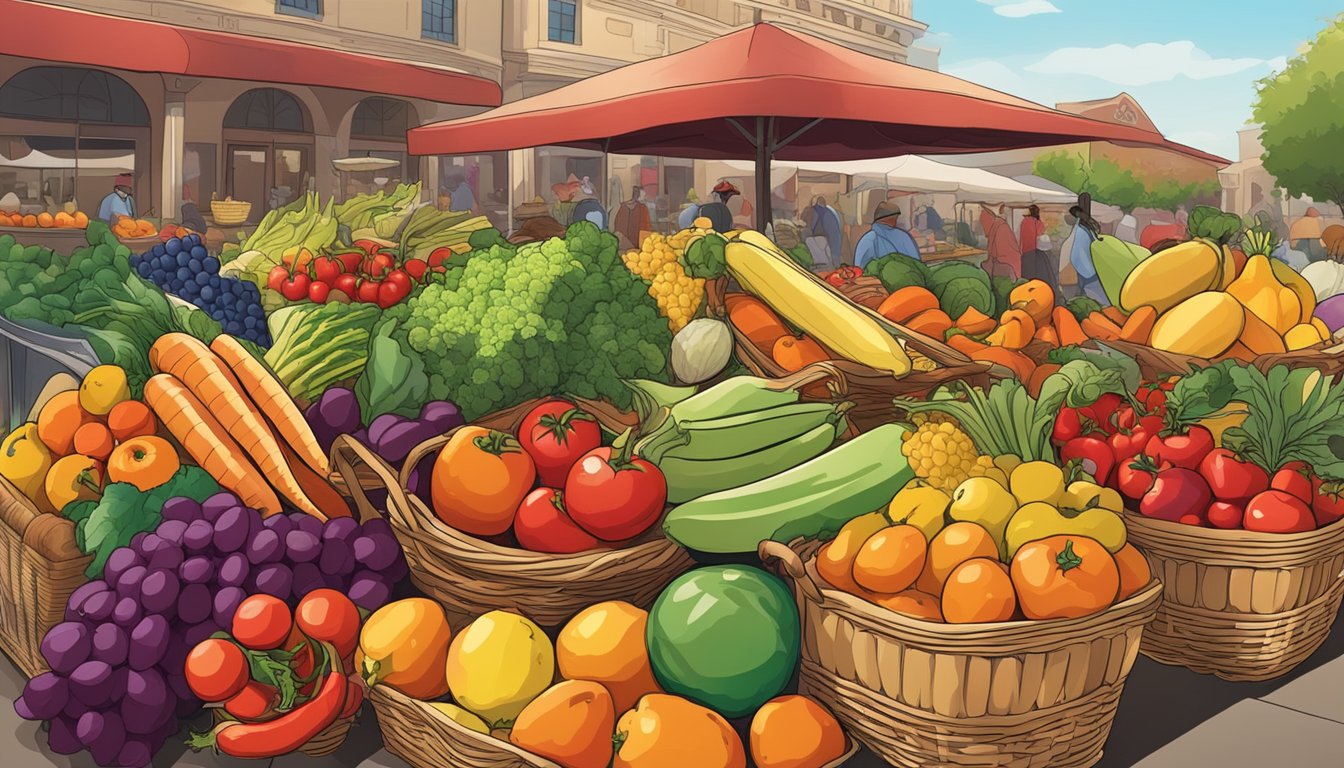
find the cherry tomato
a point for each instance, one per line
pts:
(1068, 425)
(382, 263)
(1225, 515)
(1102, 412)
(416, 268)
(1295, 478)
(350, 261)
(253, 702)
(1135, 478)
(216, 670)
(1094, 455)
(1197, 519)
(1132, 434)
(439, 257)
(614, 495)
(318, 292)
(329, 616)
(295, 288)
(367, 291)
(1327, 501)
(326, 269)
(347, 283)
(389, 293)
(1232, 479)
(556, 434)
(262, 623)
(543, 525)
(1278, 512)
(1176, 492)
(276, 278)
(1182, 450)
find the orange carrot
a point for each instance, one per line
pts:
(327, 498)
(1015, 361)
(1139, 326)
(930, 322)
(1048, 335)
(193, 364)
(274, 402)
(208, 443)
(1070, 332)
(757, 321)
(907, 302)
(965, 344)
(1115, 314)
(975, 321)
(1038, 377)
(1099, 326)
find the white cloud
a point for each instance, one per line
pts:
(1143, 64)
(1016, 9)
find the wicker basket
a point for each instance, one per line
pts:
(39, 569)
(470, 576)
(324, 743)
(1156, 364)
(1238, 604)
(921, 694)
(869, 389)
(229, 212)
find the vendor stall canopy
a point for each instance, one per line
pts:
(821, 101)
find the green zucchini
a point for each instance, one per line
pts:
(810, 500)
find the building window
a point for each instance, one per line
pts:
(380, 119)
(562, 21)
(438, 20)
(309, 8)
(73, 94)
(267, 109)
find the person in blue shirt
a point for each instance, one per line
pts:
(1080, 256)
(119, 202)
(885, 237)
(826, 225)
(463, 199)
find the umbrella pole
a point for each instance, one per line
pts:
(764, 151)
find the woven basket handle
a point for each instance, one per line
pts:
(813, 373)
(346, 454)
(419, 452)
(793, 565)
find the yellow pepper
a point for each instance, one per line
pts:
(1039, 520)
(24, 461)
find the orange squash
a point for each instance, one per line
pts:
(1259, 337)
(1036, 297)
(1015, 330)
(1067, 326)
(755, 320)
(794, 353)
(930, 322)
(975, 322)
(1139, 326)
(907, 302)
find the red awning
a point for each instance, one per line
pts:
(66, 35)
(820, 101)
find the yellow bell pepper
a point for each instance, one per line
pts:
(24, 461)
(1039, 520)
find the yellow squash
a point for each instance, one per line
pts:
(1204, 325)
(24, 461)
(1260, 290)
(1038, 520)
(1302, 336)
(1171, 276)
(799, 297)
(1298, 284)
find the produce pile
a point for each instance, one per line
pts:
(181, 266)
(66, 219)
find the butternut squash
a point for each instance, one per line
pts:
(1034, 296)
(1260, 290)
(1139, 326)
(1070, 331)
(1298, 284)
(1172, 276)
(1259, 338)
(975, 322)
(907, 302)
(1204, 325)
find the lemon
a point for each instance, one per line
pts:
(499, 664)
(462, 717)
(921, 506)
(1037, 481)
(982, 500)
(103, 388)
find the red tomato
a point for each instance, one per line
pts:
(1068, 425)
(329, 616)
(1232, 479)
(392, 291)
(1133, 434)
(613, 495)
(1093, 454)
(542, 525)
(295, 287)
(367, 291)
(381, 264)
(1327, 501)
(416, 268)
(556, 434)
(1226, 515)
(1295, 478)
(1278, 512)
(1176, 492)
(347, 283)
(326, 269)
(1102, 412)
(1185, 451)
(318, 292)
(439, 256)
(276, 278)
(350, 261)
(1199, 520)
(1135, 478)
(216, 670)
(262, 623)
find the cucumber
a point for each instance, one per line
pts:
(689, 478)
(812, 499)
(743, 433)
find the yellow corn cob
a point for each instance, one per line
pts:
(802, 299)
(659, 261)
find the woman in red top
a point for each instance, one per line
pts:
(1005, 257)
(1036, 262)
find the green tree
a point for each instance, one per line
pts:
(1108, 182)
(1300, 110)
(1066, 169)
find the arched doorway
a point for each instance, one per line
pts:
(67, 132)
(378, 129)
(268, 149)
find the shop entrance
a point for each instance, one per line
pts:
(268, 150)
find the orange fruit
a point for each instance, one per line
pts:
(911, 602)
(605, 643)
(795, 732)
(58, 421)
(891, 559)
(64, 219)
(45, 219)
(1064, 577)
(570, 723)
(951, 547)
(670, 732)
(145, 462)
(835, 560)
(81, 219)
(1134, 571)
(94, 440)
(131, 418)
(979, 591)
(29, 221)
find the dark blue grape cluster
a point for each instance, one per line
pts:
(184, 268)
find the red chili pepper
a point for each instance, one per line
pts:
(354, 697)
(286, 733)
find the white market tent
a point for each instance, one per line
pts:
(96, 166)
(913, 173)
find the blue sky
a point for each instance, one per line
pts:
(1191, 65)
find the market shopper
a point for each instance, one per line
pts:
(534, 222)
(1035, 247)
(1005, 257)
(1080, 258)
(119, 201)
(717, 211)
(886, 236)
(463, 199)
(1305, 235)
(632, 217)
(825, 223)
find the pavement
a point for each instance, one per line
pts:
(1169, 717)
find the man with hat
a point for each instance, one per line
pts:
(118, 202)
(717, 211)
(885, 236)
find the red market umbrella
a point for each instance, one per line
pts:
(766, 92)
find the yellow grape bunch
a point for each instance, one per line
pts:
(658, 261)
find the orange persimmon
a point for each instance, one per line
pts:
(1064, 577)
(979, 591)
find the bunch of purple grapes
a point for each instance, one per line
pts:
(117, 686)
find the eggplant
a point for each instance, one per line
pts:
(1331, 312)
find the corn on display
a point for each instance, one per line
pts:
(942, 454)
(658, 260)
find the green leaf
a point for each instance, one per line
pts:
(706, 258)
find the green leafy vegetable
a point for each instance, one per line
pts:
(959, 285)
(1207, 221)
(1002, 287)
(1201, 394)
(705, 257)
(316, 345)
(1104, 357)
(1082, 306)
(1293, 415)
(896, 271)
(394, 379)
(801, 254)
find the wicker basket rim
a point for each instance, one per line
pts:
(464, 732)
(1290, 543)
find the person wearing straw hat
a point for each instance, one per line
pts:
(885, 236)
(119, 201)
